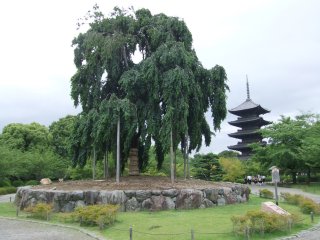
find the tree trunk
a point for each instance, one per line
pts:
(171, 158)
(308, 176)
(105, 165)
(294, 177)
(118, 152)
(94, 164)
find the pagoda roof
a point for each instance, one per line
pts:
(256, 119)
(239, 147)
(243, 133)
(248, 106)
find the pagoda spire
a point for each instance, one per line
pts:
(248, 90)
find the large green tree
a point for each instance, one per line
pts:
(61, 132)
(25, 137)
(170, 89)
(292, 145)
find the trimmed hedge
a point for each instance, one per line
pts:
(40, 211)
(306, 205)
(101, 215)
(265, 193)
(7, 190)
(262, 222)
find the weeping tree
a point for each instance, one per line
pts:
(169, 88)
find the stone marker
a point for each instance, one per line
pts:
(133, 162)
(273, 208)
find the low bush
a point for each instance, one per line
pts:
(40, 211)
(17, 183)
(7, 190)
(265, 193)
(101, 215)
(262, 222)
(5, 183)
(32, 183)
(306, 205)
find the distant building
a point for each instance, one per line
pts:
(249, 122)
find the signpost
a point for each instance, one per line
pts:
(275, 180)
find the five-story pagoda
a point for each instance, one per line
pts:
(249, 122)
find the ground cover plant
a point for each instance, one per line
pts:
(207, 223)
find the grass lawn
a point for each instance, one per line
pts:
(210, 223)
(312, 188)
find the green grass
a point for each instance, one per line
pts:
(312, 188)
(165, 224)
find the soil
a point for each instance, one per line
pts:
(133, 183)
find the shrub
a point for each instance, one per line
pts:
(265, 193)
(7, 190)
(5, 183)
(101, 215)
(17, 183)
(40, 211)
(32, 183)
(306, 205)
(261, 222)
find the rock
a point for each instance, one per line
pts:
(112, 197)
(142, 195)
(188, 199)
(130, 193)
(170, 193)
(212, 194)
(207, 203)
(69, 207)
(221, 201)
(156, 192)
(45, 181)
(90, 197)
(147, 204)
(170, 203)
(132, 205)
(79, 203)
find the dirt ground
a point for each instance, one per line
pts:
(132, 183)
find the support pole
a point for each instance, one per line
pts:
(118, 152)
(171, 158)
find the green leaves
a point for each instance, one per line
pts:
(168, 90)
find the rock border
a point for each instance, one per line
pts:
(134, 200)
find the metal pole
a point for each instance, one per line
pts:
(171, 158)
(276, 192)
(118, 152)
(312, 217)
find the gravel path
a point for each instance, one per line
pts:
(11, 229)
(15, 229)
(310, 234)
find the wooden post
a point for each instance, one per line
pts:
(118, 152)
(192, 234)
(312, 217)
(130, 232)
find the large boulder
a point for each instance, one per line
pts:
(189, 198)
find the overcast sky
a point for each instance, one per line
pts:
(276, 43)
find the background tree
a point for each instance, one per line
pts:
(170, 89)
(25, 137)
(61, 132)
(288, 143)
(207, 167)
(233, 168)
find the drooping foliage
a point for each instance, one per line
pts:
(167, 91)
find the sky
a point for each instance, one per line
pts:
(276, 43)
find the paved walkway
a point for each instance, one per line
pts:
(310, 234)
(15, 229)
